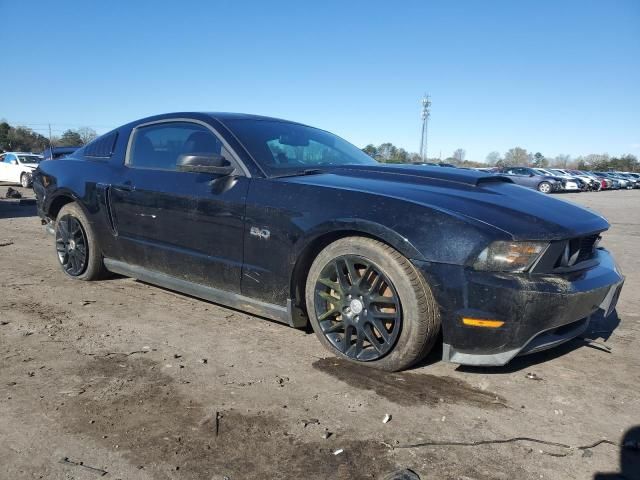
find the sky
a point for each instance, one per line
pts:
(558, 77)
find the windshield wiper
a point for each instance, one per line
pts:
(300, 173)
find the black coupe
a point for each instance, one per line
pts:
(292, 223)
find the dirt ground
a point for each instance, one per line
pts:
(142, 383)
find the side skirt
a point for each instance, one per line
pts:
(228, 299)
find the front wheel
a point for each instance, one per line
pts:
(368, 304)
(25, 180)
(76, 245)
(544, 187)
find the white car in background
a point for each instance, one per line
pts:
(568, 173)
(17, 167)
(570, 182)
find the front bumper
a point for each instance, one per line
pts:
(538, 311)
(571, 187)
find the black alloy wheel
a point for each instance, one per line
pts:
(71, 245)
(358, 308)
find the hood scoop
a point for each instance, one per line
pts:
(412, 173)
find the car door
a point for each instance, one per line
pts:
(515, 176)
(530, 178)
(187, 225)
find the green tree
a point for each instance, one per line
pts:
(370, 150)
(70, 138)
(25, 140)
(540, 161)
(4, 136)
(402, 156)
(387, 151)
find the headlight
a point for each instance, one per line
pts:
(509, 256)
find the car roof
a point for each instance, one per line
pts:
(20, 153)
(243, 116)
(220, 116)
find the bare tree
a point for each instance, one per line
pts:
(493, 158)
(459, 155)
(561, 160)
(516, 156)
(87, 134)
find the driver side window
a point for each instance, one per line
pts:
(158, 146)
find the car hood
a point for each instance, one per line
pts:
(486, 200)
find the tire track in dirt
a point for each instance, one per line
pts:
(406, 388)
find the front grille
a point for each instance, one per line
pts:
(566, 256)
(587, 247)
(577, 250)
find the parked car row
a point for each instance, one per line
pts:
(552, 180)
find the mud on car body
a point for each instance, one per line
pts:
(295, 224)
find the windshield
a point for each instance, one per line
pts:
(29, 158)
(281, 147)
(540, 171)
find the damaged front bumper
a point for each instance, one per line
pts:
(538, 311)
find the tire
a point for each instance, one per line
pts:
(544, 187)
(392, 278)
(25, 180)
(73, 220)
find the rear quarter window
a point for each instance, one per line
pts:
(102, 147)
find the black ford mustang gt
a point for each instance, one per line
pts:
(295, 224)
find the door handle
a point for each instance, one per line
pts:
(126, 186)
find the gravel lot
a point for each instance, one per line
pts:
(144, 383)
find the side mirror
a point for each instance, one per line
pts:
(531, 175)
(204, 163)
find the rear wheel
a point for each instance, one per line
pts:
(25, 180)
(368, 304)
(544, 187)
(76, 245)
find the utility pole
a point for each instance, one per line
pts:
(426, 113)
(50, 144)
